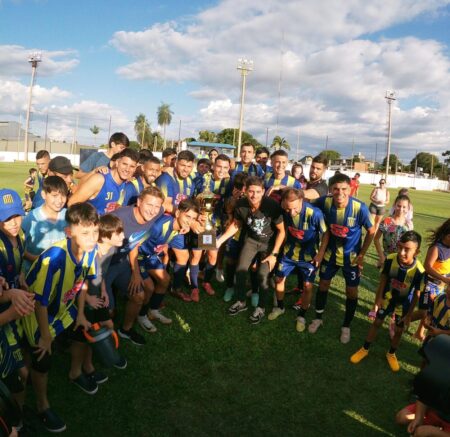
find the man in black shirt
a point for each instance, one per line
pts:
(262, 220)
(316, 187)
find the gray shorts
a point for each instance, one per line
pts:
(377, 210)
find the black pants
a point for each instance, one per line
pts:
(250, 250)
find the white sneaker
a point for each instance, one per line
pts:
(276, 312)
(345, 335)
(315, 325)
(257, 315)
(220, 276)
(146, 325)
(156, 315)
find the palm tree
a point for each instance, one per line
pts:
(164, 117)
(279, 143)
(95, 130)
(143, 131)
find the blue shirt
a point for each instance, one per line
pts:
(176, 188)
(110, 197)
(252, 170)
(95, 160)
(286, 181)
(132, 190)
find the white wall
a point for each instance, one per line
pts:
(14, 156)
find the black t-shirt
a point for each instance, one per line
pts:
(259, 225)
(321, 187)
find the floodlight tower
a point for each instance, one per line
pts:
(390, 97)
(245, 65)
(34, 60)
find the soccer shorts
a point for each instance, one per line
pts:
(153, 262)
(399, 307)
(352, 274)
(287, 265)
(428, 295)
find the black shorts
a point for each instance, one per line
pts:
(377, 210)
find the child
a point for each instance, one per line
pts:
(56, 278)
(29, 188)
(398, 292)
(45, 225)
(437, 267)
(438, 318)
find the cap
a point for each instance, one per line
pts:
(10, 204)
(61, 164)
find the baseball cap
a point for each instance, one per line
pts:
(10, 204)
(61, 164)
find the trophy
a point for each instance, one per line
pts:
(208, 200)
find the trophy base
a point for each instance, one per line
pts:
(207, 240)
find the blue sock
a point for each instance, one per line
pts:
(194, 269)
(179, 272)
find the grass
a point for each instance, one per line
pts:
(226, 377)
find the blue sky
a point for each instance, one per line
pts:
(113, 58)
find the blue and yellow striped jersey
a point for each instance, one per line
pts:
(11, 258)
(402, 280)
(252, 170)
(174, 187)
(345, 225)
(110, 197)
(303, 233)
(56, 277)
(286, 181)
(132, 190)
(440, 312)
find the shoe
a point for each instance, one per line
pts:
(208, 288)
(51, 421)
(276, 312)
(229, 293)
(121, 364)
(88, 385)
(393, 362)
(359, 355)
(254, 299)
(131, 335)
(315, 325)
(345, 335)
(301, 324)
(97, 377)
(146, 325)
(181, 295)
(220, 276)
(236, 308)
(298, 304)
(195, 295)
(257, 316)
(156, 315)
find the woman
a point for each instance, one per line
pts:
(297, 173)
(379, 199)
(213, 154)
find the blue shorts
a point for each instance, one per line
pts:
(428, 295)
(352, 274)
(150, 263)
(399, 307)
(287, 265)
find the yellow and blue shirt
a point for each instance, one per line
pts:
(440, 313)
(174, 187)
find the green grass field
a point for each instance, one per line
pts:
(226, 377)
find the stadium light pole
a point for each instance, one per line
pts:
(34, 60)
(390, 97)
(245, 66)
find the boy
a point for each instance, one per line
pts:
(29, 188)
(397, 293)
(438, 319)
(56, 278)
(42, 162)
(45, 225)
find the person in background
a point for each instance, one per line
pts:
(297, 173)
(29, 188)
(262, 157)
(213, 154)
(379, 199)
(42, 162)
(169, 157)
(410, 213)
(354, 185)
(316, 186)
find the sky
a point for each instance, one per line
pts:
(321, 69)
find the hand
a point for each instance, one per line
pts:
(103, 170)
(105, 299)
(94, 301)
(136, 284)
(44, 346)
(22, 301)
(197, 227)
(3, 284)
(83, 322)
(317, 260)
(202, 219)
(271, 260)
(432, 331)
(414, 425)
(359, 261)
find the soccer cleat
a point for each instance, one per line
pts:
(51, 421)
(315, 325)
(276, 312)
(236, 308)
(301, 324)
(257, 316)
(220, 276)
(179, 294)
(393, 362)
(195, 295)
(254, 299)
(229, 293)
(146, 325)
(156, 315)
(359, 355)
(131, 335)
(208, 288)
(88, 385)
(345, 335)
(298, 304)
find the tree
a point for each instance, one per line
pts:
(143, 131)
(394, 162)
(356, 158)
(157, 142)
(280, 143)
(207, 136)
(95, 130)
(447, 160)
(164, 118)
(230, 136)
(425, 160)
(331, 155)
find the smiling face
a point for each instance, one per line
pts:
(340, 192)
(150, 171)
(54, 200)
(149, 207)
(11, 227)
(255, 194)
(221, 169)
(185, 218)
(279, 164)
(401, 208)
(125, 167)
(184, 168)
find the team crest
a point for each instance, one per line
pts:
(8, 199)
(351, 221)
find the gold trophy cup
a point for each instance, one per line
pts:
(208, 200)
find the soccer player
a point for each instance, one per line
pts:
(262, 157)
(169, 157)
(345, 217)
(316, 186)
(116, 144)
(246, 164)
(56, 278)
(42, 161)
(304, 225)
(29, 187)
(147, 172)
(167, 232)
(46, 224)
(262, 220)
(106, 192)
(398, 292)
(278, 179)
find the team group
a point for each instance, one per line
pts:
(131, 227)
